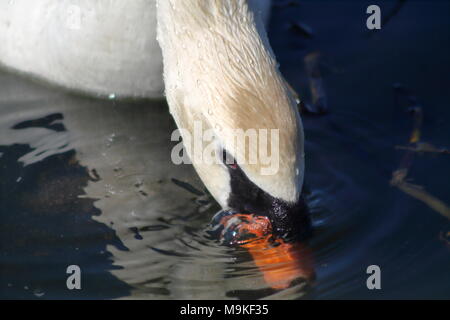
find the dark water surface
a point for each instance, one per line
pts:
(90, 182)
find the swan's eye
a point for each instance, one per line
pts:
(229, 161)
(233, 165)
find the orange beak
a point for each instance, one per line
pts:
(280, 262)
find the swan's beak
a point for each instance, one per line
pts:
(270, 228)
(282, 263)
(289, 220)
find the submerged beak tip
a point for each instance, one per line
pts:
(282, 263)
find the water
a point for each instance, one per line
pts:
(90, 182)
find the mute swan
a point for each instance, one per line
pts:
(219, 70)
(99, 47)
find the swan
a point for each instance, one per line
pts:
(105, 48)
(213, 61)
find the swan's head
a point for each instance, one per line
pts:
(228, 98)
(248, 151)
(246, 144)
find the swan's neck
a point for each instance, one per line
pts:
(211, 14)
(219, 69)
(225, 30)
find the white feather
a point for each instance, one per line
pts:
(219, 70)
(99, 47)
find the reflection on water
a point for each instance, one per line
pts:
(90, 182)
(46, 226)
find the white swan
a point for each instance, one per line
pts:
(103, 47)
(218, 70)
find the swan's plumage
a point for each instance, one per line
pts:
(219, 70)
(99, 47)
